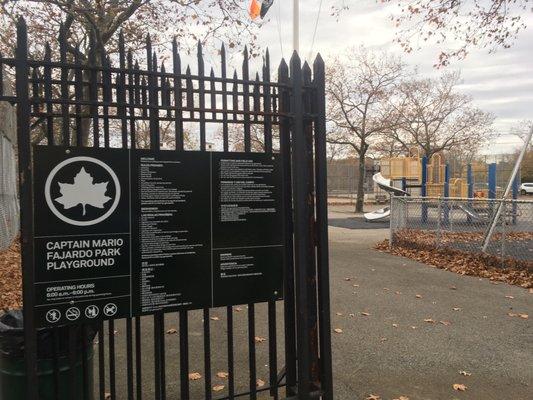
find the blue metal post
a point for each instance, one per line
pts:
(470, 186)
(470, 181)
(423, 188)
(492, 181)
(492, 186)
(404, 184)
(446, 194)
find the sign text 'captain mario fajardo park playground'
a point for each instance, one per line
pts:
(121, 233)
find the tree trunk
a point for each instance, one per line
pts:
(360, 185)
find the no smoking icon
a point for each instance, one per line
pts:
(73, 313)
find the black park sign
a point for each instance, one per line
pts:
(122, 233)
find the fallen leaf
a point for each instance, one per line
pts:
(214, 318)
(373, 397)
(351, 315)
(509, 297)
(107, 396)
(339, 314)
(218, 388)
(523, 316)
(238, 309)
(386, 288)
(456, 309)
(347, 279)
(222, 375)
(447, 323)
(365, 314)
(512, 314)
(260, 383)
(418, 296)
(115, 333)
(429, 320)
(413, 327)
(337, 330)
(172, 331)
(194, 376)
(259, 339)
(460, 387)
(464, 373)
(395, 325)
(398, 292)
(453, 288)
(355, 285)
(383, 339)
(401, 398)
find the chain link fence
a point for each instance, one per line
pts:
(9, 210)
(462, 224)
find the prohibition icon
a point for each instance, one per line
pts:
(73, 313)
(92, 311)
(53, 316)
(110, 309)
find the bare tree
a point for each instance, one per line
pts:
(522, 129)
(257, 138)
(189, 21)
(359, 87)
(84, 24)
(436, 117)
(460, 25)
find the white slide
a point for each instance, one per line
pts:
(471, 213)
(382, 213)
(386, 185)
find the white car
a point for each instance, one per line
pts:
(526, 188)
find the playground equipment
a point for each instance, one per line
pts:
(425, 177)
(386, 185)
(413, 175)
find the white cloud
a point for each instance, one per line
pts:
(500, 83)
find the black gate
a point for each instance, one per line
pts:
(74, 102)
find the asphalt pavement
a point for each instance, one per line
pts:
(407, 330)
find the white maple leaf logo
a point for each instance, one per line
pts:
(83, 191)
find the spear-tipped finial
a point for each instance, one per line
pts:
(319, 59)
(21, 22)
(199, 47)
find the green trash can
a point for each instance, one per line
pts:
(13, 369)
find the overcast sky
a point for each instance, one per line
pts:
(501, 83)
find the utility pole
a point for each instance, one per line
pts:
(296, 25)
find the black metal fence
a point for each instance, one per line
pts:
(73, 101)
